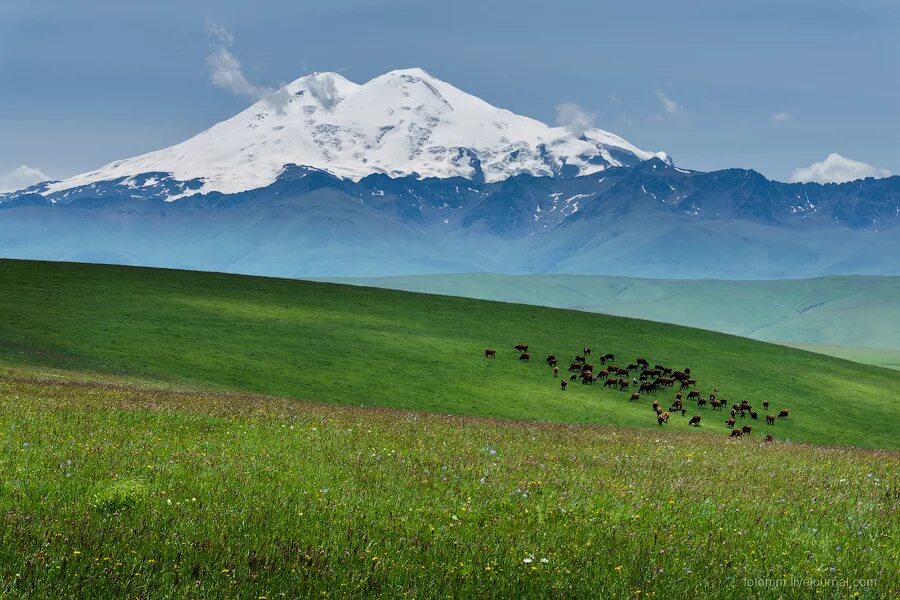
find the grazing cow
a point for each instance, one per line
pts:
(676, 405)
(688, 370)
(770, 419)
(769, 438)
(658, 411)
(574, 367)
(693, 395)
(642, 361)
(556, 371)
(736, 433)
(695, 421)
(610, 356)
(623, 385)
(579, 359)
(490, 353)
(587, 351)
(766, 404)
(654, 372)
(587, 367)
(644, 377)
(663, 418)
(563, 384)
(729, 423)
(647, 388)
(753, 415)
(622, 372)
(667, 370)
(658, 367)
(611, 382)
(521, 347)
(716, 405)
(632, 367)
(634, 397)
(679, 376)
(701, 402)
(656, 405)
(733, 412)
(783, 414)
(524, 357)
(678, 396)
(746, 429)
(587, 377)
(573, 377)
(551, 360)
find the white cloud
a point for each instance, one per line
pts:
(837, 169)
(574, 117)
(21, 177)
(225, 71)
(781, 117)
(669, 106)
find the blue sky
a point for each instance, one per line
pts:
(770, 85)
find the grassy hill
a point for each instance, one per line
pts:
(375, 347)
(853, 317)
(110, 490)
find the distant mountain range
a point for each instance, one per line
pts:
(407, 174)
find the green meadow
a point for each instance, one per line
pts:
(114, 490)
(852, 317)
(374, 347)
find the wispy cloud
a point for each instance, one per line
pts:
(225, 71)
(782, 117)
(21, 177)
(837, 169)
(669, 106)
(574, 117)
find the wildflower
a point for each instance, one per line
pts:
(618, 567)
(545, 560)
(527, 560)
(76, 553)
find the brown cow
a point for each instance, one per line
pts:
(769, 438)
(647, 388)
(580, 358)
(766, 404)
(736, 433)
(634, 397)
(603, 374)
(551, 360)
(524, 357)
(663, 418)
(611, 382)
(729, 423)
(746, 429)
(587, 367)
(563, 384)
(693, 395)
(695, 420)
(556, 371)
(490, 353)
(783, 414)
(770, 419)
(623, 385)
(656, 405)
(701, 402)
(676, 405)
(574, 367)
(521, 347)
(716, 405)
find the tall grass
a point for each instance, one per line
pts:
(111, 491)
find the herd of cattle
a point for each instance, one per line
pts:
(648, 380)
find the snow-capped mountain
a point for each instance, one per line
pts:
(402, 123)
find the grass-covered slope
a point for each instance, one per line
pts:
(110, 491)
(362, 346)
(853, 317)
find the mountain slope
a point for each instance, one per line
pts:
(404, 122)
(364, 346)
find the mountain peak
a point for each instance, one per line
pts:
(404, 122)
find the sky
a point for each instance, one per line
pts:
(796, 89)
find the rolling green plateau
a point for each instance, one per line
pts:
(362, 346)
(111, 489)
(852, 317)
